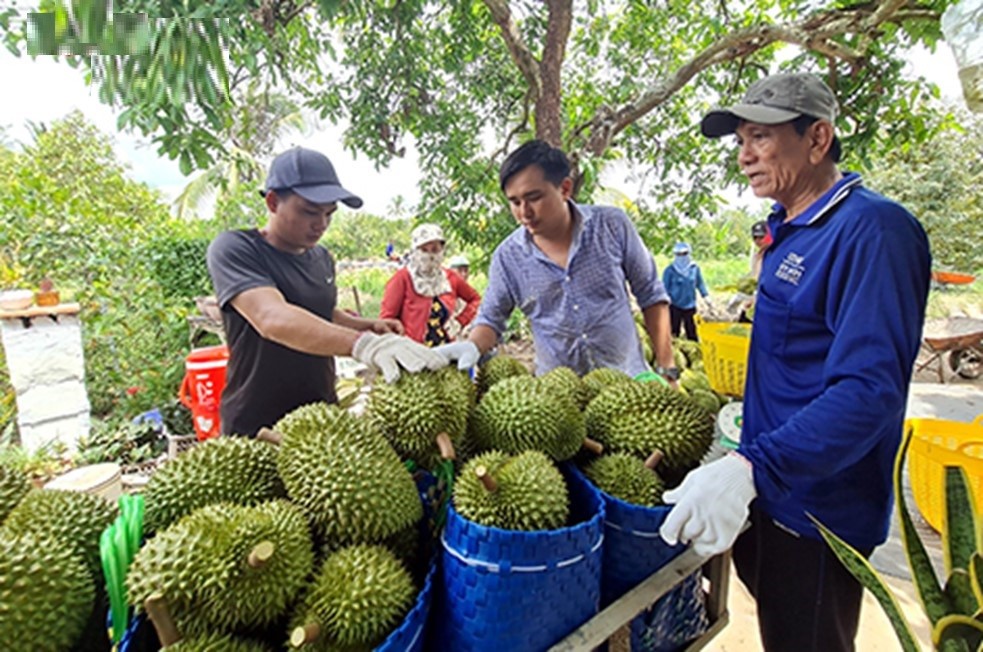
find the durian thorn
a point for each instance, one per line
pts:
(261, 553)
(306, 634)
(486, 479)
(593, 446)
(160, 616)
(446, 446)
(270, 436)
(654, 459)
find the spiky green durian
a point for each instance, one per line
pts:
(694, 380)
(639, 418)
(626, 477)
(526, 492)
(226, 469)
(705, 399)
(565, 380)
(226, 567)
(46, 593)
(498, 368)
(345, 475)
(14, 485)
(692, 351)
(646, 341)
(518, 414)
(215, 642)
(596, 380)
(358, 596)
(76, 519)
(415, 409)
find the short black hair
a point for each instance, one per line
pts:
(551, 160)
(803, 122)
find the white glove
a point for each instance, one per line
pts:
(389, 352)
(711, 505)
(466, 353)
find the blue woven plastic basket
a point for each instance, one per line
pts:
(507, 590)
(411, 634)
(633, 550)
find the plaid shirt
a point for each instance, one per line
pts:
(581, 316)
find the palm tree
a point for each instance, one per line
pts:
(263, 118)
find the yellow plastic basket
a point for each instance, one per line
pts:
(725, 347)
(936, 444)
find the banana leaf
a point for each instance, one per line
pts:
(861, 569)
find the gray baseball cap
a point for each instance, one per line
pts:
(774, 100)
(310, 175)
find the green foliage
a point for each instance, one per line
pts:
(451, 76)
(119, 441)
(939, 183)
(178, 265)
(72, 214)
(359, 236)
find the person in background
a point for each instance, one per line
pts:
(276, 289)
(683, 279)
(567, 267)
(747, 288)
(460, 265)
(424, 295)
(760, 239)
(839, 313)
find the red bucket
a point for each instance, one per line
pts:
(201, 390)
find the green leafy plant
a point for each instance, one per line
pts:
(953, 608)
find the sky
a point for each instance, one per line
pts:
(49, 90)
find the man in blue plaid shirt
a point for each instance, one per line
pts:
(568, 267)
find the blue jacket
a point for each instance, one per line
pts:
(682, 288)
(837, 325)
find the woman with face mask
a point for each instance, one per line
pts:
(423, 294)
(683, 280)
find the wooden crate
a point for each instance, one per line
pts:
(612, 622)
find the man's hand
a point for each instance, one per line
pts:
(389, 352)
(711, 505)
(466, 353)
(383, 326)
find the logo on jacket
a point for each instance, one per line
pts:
(791, 269)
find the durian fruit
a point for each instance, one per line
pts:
(596, 380)
(46, 593)
(692, 351)
(694, 380)
(643, 335)
(215, 642)
(226, 567)
(358, 597)
(518, 414)
(73, 518)
(418, 408)
(498, 368)
(626, 477)
(639, 418)
(521, 492)
(345, 475)
(705, 399)
(226, 469)
(14, 485)
(566, 381)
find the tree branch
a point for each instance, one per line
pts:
(521, 54)
(548, 103)
(815, 33)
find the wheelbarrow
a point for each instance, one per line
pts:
(956, 348)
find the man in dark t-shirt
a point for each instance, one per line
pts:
(276, 288)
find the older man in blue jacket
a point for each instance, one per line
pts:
(839, 312)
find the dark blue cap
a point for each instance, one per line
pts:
(310, 175)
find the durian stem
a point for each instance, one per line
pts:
(486, 478)
(654, 459)
(446, 446)
(306, 634)
(270, 436)
(261, 554)
(160, 616)
(593, 446)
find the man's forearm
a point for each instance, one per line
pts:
(484, 337)
(657, 326)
